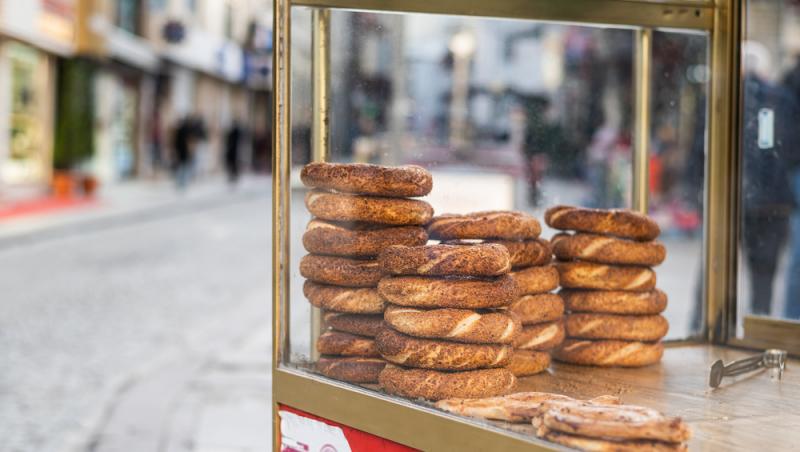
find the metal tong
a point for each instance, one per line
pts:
(770, 359)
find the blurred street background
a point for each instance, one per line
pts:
(135, 152)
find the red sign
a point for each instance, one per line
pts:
(304, 432)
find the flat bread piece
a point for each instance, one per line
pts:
(605, 445)
(520, 407)
(621, 422)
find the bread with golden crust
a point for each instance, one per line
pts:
(399, 348)
(353, 369)
(358, 240)
(608, 250)
(532, 309)
(453, 292)
(343, 207)
(340, 271)
(615, 301)
(354, 300)
(437, 385)
(446, 260)
(541, 337)
(458, 325)
(618, 422)
(368, 179)
(606, 445)
(588, 275)
(361, 324)
(609, 353)
(346, 344)
(526, 253)
(498, 224)
(616, 222)
(536, 280)
(588, 325)
(528, 362)
(519, 407)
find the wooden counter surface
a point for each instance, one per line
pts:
(750, 412)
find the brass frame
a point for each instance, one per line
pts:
(685, 14)
(281, 207)
(720, 209)
(641, 151)
(320, 127)
(422, 428)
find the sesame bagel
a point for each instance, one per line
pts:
(435, 385)
(353, 369)
(608, 250)
(528, 362)
(446, 260)
(456, 292)
(540, 337)
(500, 224)
(609, 353)
(613, 326)
(340, 271)
(532, 309)
(344, 299)
(345, 344)
(615, 301)
(360, 324)
(368, 179)
(358, 240)
(535, 280)
(458, 325)
(370, 209)
(526, 253)
(587, 275)
(410, 351)
(617, 222)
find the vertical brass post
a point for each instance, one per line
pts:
(281, 171)
(320, 130)
(722, 169)
(641, 149)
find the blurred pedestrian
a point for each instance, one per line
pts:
(156, 157)
(184, 142)
(768, 137)
(233, 140)
(792, 306)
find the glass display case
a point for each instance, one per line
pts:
(521, 106)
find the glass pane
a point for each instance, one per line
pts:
(677, 171)
(509, 115)
(769, 251)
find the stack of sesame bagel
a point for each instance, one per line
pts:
(608, 286)
(358, 210)
(444, 336)
(539, 311)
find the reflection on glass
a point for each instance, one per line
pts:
(512, 115)
(770, 222)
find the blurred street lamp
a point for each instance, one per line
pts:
(462, 46)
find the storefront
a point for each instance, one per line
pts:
(30, 83)
(32, 36)
(682, 111)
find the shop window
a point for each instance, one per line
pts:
(514, 115)
(128, 16)
(228, 19)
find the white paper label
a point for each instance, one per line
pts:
(301, 434)
(766, 128)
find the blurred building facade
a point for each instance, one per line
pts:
(150, 64)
